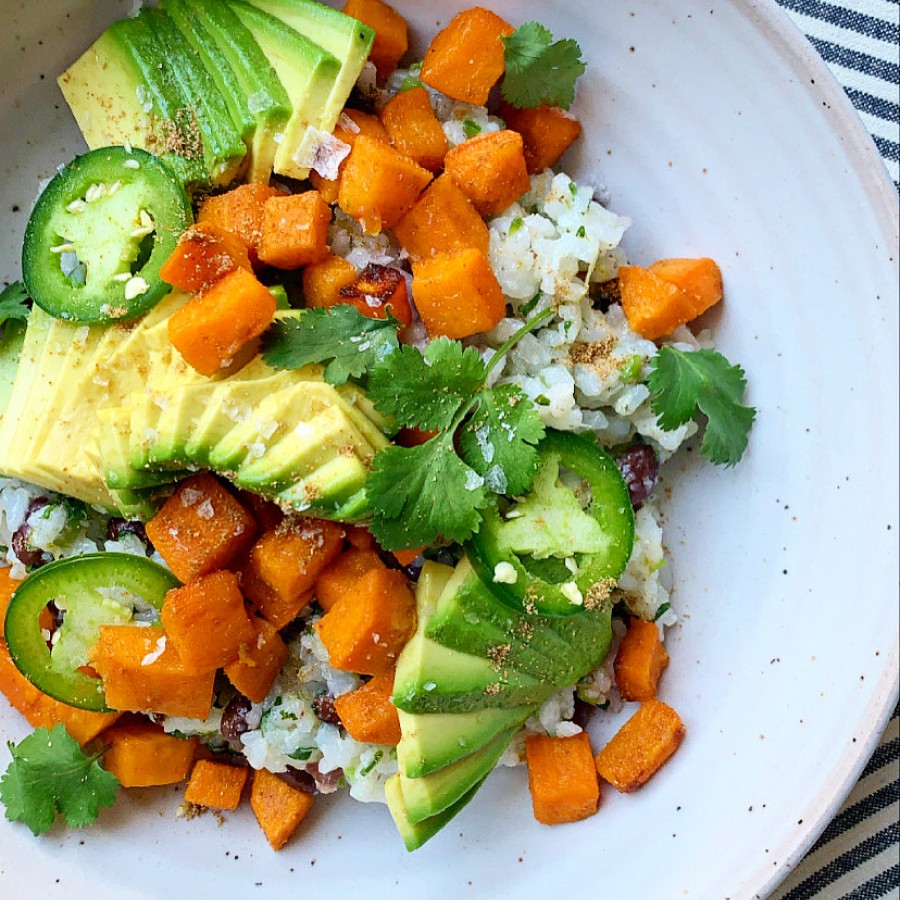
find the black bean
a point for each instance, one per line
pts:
(606, 294)
(323, 707)
(300, 780)
(234, 719)
(29, 557)
(584, 711)
(115, 528)
(640, 469)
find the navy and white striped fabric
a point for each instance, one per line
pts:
(858, 855)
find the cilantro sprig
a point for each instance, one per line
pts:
(51, 775)
(683, 384)
(13, 303)
(538, 70)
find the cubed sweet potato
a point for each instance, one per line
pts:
(295, 230)
(640, 661)
(204, 254)
(239, 211)
(562, 778)
(379, 185)
(377, 291)
(284, 564)
(259, 661)
(141, 754)
(391, 33)
(365, 632)
(216, 785)
(324, 281)
(490, 169)
(547, 132)
(201, 528)
(466, 59)
(457, 294)
(339, 579)
(368, 714)
(278, 807)
(641, 746)
(214, 326)
(443, 220)
(414, 128)
(207, 622)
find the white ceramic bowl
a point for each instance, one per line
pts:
(717, 129)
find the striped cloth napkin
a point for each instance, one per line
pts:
(858, 855)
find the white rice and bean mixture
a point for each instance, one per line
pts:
(584, 371)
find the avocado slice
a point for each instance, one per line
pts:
(223, 147)
(336, 491)
(12, 338)
(345, 38)
(307, 72)
(247, 80)
(121, 90)
(415, 834)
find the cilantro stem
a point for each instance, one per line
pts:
(527, 328)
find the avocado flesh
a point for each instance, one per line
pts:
(307, 72)
(12, 338)
(262, 93)
(121, 91)
(345, 38)
(415, 834)
(224, 150)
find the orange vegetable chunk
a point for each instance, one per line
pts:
(368, 714)
(259, 661)
(365, 631)
(377, 291)
(379, 184)
(669, 293)
(295, 230)
(323, 281)
(207, 622)
(466, 59)
(201, 528)
(278, 807)
(562, 778)
(391, 33)
(408, 557)
(641, 746)
(457, 294)
(414, 128)
(442, 220)
(142, 672)
(547, 132)
(84, 725)
(141, 754)
(239, 211)
(339, 579)
(204, 254)
(216, 785)
(8, 586)
(490, 169)
(210, 329)
(640, 661)
(284, 564)
(360, 537)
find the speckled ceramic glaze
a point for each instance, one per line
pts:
(719, 133)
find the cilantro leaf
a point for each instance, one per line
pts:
(50, 775)
(539, 71)
(685, 383)
(498, 440)
(342, 338)
(427, 390)
(422, 493)
(13, 303)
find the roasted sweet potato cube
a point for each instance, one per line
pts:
(216, 785)
(295, 230)
(466, 59)
(213, 327)
(365, 632)
(562, 778)
(141, 754)
(142, 672)
(641, 746)
(207, 621)
(239, 211)
(341, 576)
(414, 128)
(204, 254)
(443, 220)
(457, 294)
(284, 564)
(201, 528)
(377, 291)
(640, 660)
(278, 807)
(379, 184)
(259, 661)
(491, 170)
(368, 714)
(82, 724)
(391, 33)
(547, 132)
(323, 281)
